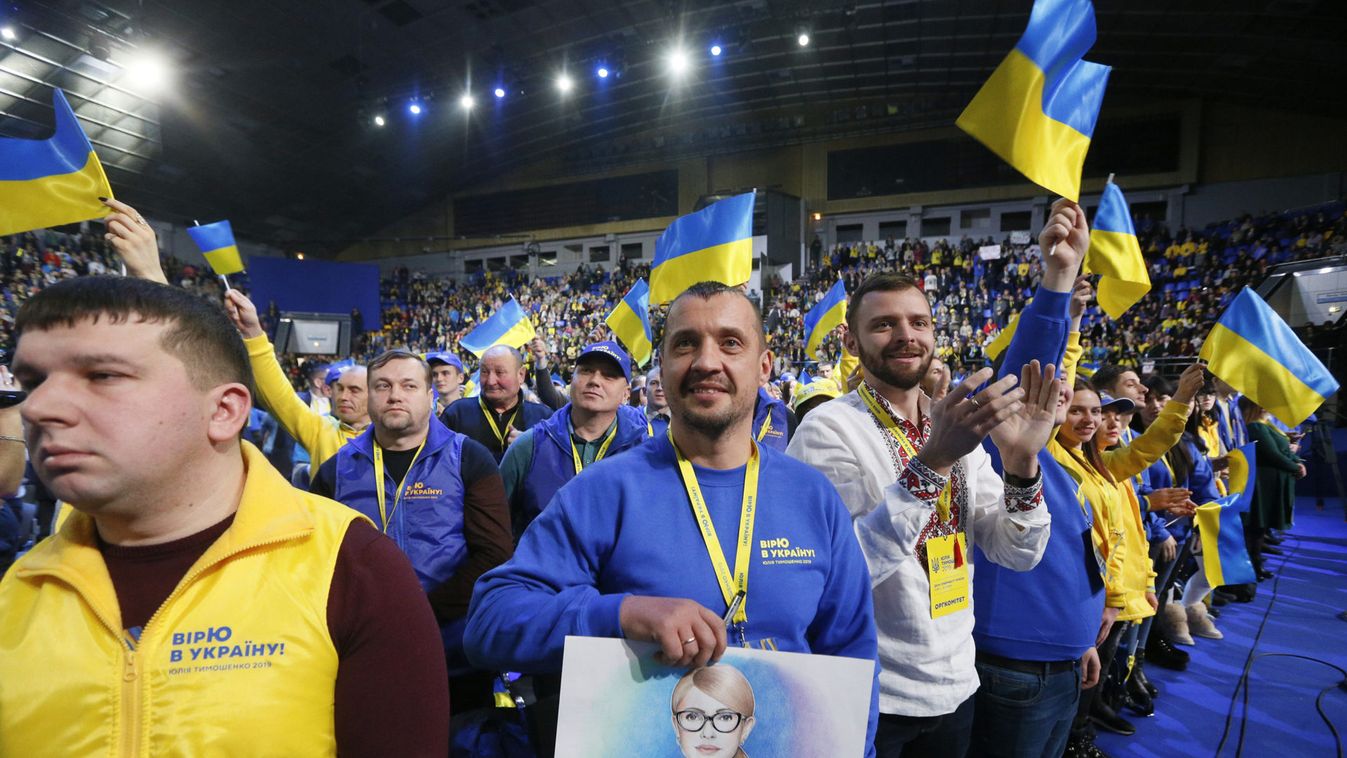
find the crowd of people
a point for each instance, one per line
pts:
(497, 505)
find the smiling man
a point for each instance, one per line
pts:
(595, 424)
(194, 602)
(619, 553)
(497, 416)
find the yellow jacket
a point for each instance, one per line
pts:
(321, 435)
(237, 661)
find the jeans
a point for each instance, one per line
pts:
(946, 736)
(1024, 714)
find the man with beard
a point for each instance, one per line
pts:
(437, 493)
(619, 551)
(922, 491)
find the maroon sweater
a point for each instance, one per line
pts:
(392, 695)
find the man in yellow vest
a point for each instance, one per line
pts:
(195, 603)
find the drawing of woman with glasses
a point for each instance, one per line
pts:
(712, 712)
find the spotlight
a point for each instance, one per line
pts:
(715, 51)
(467, 101)
(564, 83)
(803, 39)
(414, 108)
(678, 62)
(500, 92)
(8, 33)
(379, 121)
(602, 72)
(148, 72)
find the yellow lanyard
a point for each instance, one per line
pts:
(386, 516)
(766, 427)
(736, 584)
(491, 419)
(603, 449)
(942, 505)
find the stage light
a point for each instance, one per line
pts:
(500, 92)
(678, 62)
(300, 256)
(803, 39)
(467, 101)
(715, 50)
(564, 83)
(414, 108)
(148, 72)
(379, 121)
(602, 73)
(8, 33)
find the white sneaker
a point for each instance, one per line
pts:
(1200, 625)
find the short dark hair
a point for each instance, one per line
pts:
(885, 281)
(708, 290)
(199, 333)
(1157, 386)
(397, 354)
(1108, 375)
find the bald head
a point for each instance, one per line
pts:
(504, 353)
(502, 374)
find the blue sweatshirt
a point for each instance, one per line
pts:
(1052, 611)
(1202, 481)
(626, 528)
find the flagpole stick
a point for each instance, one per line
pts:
(225, 279)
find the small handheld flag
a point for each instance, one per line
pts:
(508, 326)
(1253, 350)
(713, 244)
(824, 317)
(1115, 254)
(630, 321)
(1038, 110)
(216, 242)
(1225, 557)
(53, 181)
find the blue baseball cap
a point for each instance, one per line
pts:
(448, 359)
(335, 371)
(613, 351)
(1108, 402)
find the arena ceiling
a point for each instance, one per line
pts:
(269, 115)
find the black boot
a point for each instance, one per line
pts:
(1139, 673)
(1082, 748)
(1137, 699)
(1104, 717)
(1162, 653)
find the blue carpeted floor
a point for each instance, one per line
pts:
(1310, 590)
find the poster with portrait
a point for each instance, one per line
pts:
(617, 700)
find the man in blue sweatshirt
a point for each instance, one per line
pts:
(619, 553)
(1035, 630)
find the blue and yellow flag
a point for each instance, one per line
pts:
(508, 326)
(824, 317)
(1002, 340)
(1115, 255)
(630, 321)
(1038, 109)
(1225, 558)
(1253, 350)
(53, 181)
(216, 242)
(714, 244)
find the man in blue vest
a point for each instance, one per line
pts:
(595, 424)
(500, 413)
(437, 493)
(657, 404)
(773, 423)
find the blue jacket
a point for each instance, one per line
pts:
(428, 522)
(1152, 521)
(1202, 481)
(553, 462)
(466, 416)
(778, 433)
(1052, 611)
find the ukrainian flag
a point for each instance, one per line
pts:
(630, 321)
(1225, 558)
(508, 326)
(1115, 255)
(216, 242)
(1038, 109)
(53, 181)
(1254, 351)
(713, 244)
(824, 317)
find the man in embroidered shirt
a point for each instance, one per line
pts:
(922, 491)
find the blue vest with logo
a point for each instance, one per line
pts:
(428, 521)
(778, 432)
(554, 464)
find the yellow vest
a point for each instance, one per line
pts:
(237, 661)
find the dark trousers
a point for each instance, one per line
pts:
(1021, 714)
(946, 736)
(1081, 728)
